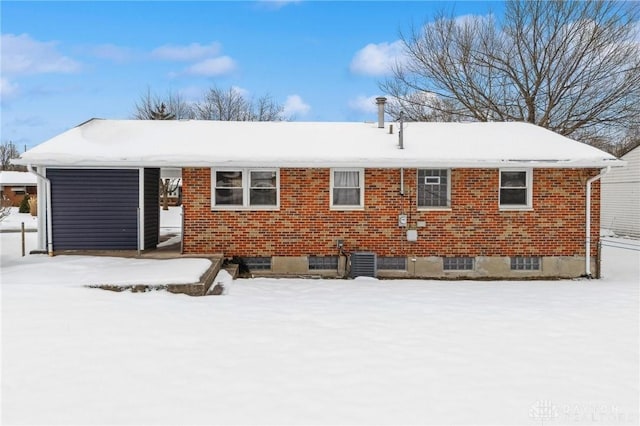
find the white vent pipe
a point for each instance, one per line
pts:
(380, 101)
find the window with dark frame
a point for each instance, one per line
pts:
(433, 188)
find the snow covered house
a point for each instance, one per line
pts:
(15, 185)
(620, 210)
(434, 200)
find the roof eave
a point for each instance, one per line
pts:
(324, 163)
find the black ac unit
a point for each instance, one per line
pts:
(363, 264)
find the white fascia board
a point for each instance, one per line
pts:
(327, 163)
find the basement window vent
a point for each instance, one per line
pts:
(457, 263)
(323, 262)
(258, 263)
(363, 265)
(525, 263)
(392, 263)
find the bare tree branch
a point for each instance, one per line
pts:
(168, 107)
(8, 151)
(572, 67)
(232, 105)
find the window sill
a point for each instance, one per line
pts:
(245, 208)
(347, 208)
(516, 209)
(434, 209)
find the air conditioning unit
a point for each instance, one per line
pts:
(363, 264)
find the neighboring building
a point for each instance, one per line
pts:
(620, 190)
(15, 185)
(478, 200)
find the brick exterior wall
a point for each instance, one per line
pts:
(474, 226)
(16, 199)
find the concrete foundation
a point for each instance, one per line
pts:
(485, 267)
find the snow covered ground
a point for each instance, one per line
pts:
(13, 222)
(315, 351)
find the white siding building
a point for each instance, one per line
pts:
(620, 204)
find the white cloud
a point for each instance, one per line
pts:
(7, 89)
(241, 91)
(377, 59)
(294, 105)
(23, 55)
(191, 52)
(276, 4)
(111, 52)
(365, 104)
(212, 67)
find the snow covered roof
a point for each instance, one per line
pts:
(17, 178)
(195, 143)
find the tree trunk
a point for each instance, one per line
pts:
(165, 193)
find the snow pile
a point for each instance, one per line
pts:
(317, 351)
(222, 282)
(8, 178)
(171, 220)
(43, 271)
(13, 222)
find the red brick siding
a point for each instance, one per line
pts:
(16, 199)
(473, 227)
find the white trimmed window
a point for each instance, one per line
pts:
(253, 189)
(516, 189)
(347, 189)
(434, 188)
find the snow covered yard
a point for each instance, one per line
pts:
(14, 221)
(315, 351)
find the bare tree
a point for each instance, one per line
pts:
(8, 151)
(563, 65)
(168, 107)
(232, 105)
(629, 142)
(620, 144)
(167, 186)
(267, 109)
(421, 106)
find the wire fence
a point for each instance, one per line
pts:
(622, 244)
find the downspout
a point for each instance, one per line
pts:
(587, 244)
(47, 207)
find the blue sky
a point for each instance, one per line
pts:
(66, 62)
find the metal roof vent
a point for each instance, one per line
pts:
(380, 101)
(363, 264)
